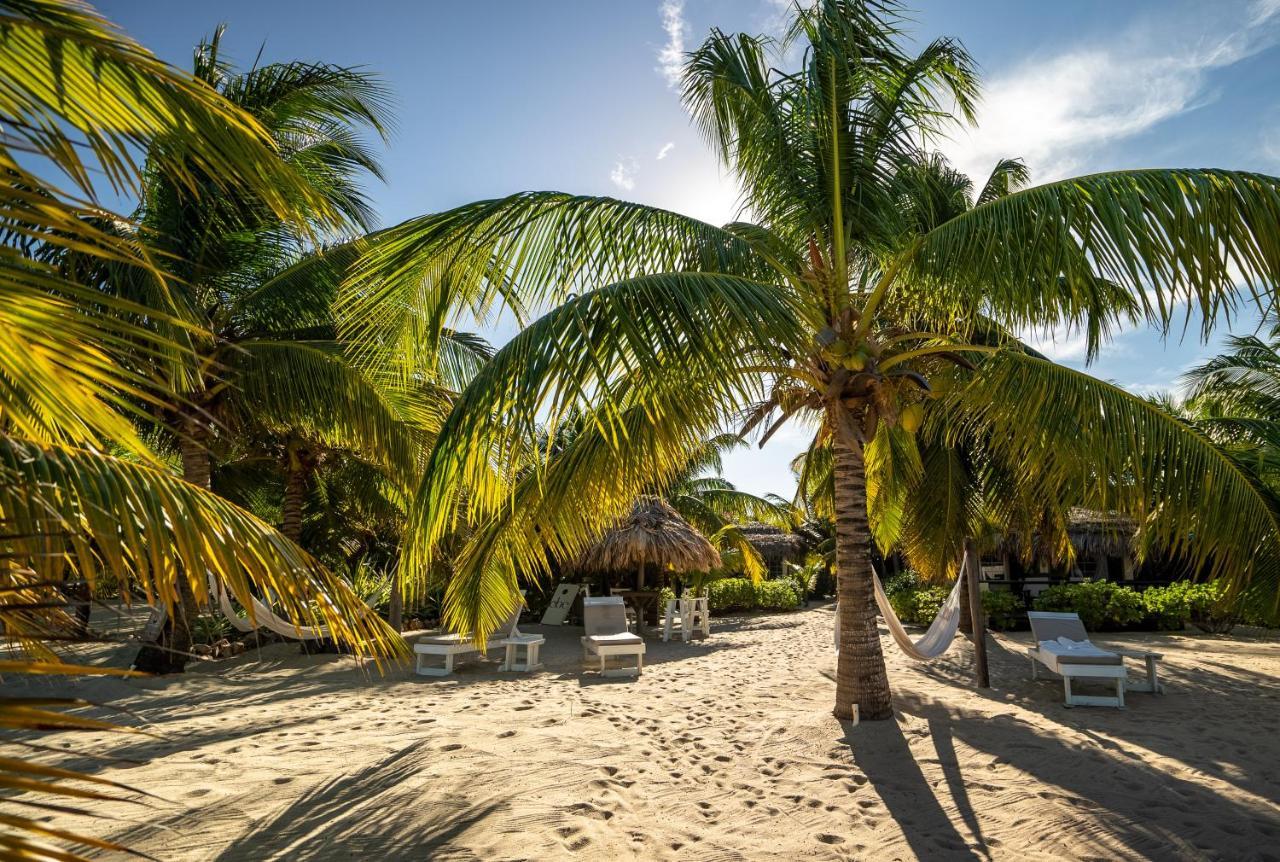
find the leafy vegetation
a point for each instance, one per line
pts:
(873, 297)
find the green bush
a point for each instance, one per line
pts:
(740, 594)
(1100, 604)
(913, 600)
(1172, 607)
(1004, 609)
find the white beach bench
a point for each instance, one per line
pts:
(605, 622)
(449, 647)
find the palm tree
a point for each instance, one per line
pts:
(80, 100)
(249, 299)
(835, 302)
(717, 509)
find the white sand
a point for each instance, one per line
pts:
(723, 749)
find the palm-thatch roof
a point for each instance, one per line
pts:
(773, 542)
(654, 534)
(1094, 532)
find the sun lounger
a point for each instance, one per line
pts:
(605, 622)
(1062, 646)
(450, 646)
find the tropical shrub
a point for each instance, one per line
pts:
(210, 628)
(1004, 610)
(741, 594)
(913, 600)
(1171, 607)
(1100, 604)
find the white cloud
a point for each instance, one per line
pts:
(1060, 345)
(1263, 11)
(671, 55)
(666, 150)
(1056, 111)
(624, 173)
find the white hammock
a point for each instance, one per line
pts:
(941, 632)
(263, 616)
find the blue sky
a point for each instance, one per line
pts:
(498, 97)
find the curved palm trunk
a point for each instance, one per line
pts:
(860, 673)
(170, 650)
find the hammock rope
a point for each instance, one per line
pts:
(941, 632)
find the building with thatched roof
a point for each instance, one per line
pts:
(777, 547)
(1104, 550)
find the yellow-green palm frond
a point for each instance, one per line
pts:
(70, 511)
(519, 250)
(714, 327)
(556, 511)
(313, 389)
(72, 79)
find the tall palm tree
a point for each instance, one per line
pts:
(835, 302)
(79, 100)
(248, 297)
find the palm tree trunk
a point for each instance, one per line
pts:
(395, 606)
(169, 652)
(295, 493)
(861, 678)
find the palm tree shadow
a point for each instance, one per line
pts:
(386, 811)
(882, 754)
(378, 812)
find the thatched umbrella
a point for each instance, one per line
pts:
(653, 533)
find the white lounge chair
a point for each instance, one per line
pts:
(450, 646)
(605, 621)
(1062, 645)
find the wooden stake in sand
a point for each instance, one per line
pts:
(972, 564)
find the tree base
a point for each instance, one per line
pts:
(859, 715)
(157, 658)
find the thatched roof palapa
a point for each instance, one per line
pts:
(653, 534)
(774, 542)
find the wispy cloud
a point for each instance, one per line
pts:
(671, 55)
(1056, 111)
(666, 150)
(624, 173)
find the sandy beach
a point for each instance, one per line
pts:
(724, 749)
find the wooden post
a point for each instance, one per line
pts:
(972, 565)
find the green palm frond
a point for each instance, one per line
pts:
(78, 511)
(714, 327)
(1112, 451)
(1169, 239)
(311, 388)
(520, 249)
(108, 93)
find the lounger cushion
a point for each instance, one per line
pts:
(445, 639)
(621, 637)
(1067, 651)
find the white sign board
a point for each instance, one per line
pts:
(560, 605)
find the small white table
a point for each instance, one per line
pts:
(532, 646)
(691, 615)
(1152, 684)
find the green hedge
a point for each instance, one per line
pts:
(1101, 604)
(1004, 609)
(740, 594)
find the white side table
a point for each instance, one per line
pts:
(532, 646)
